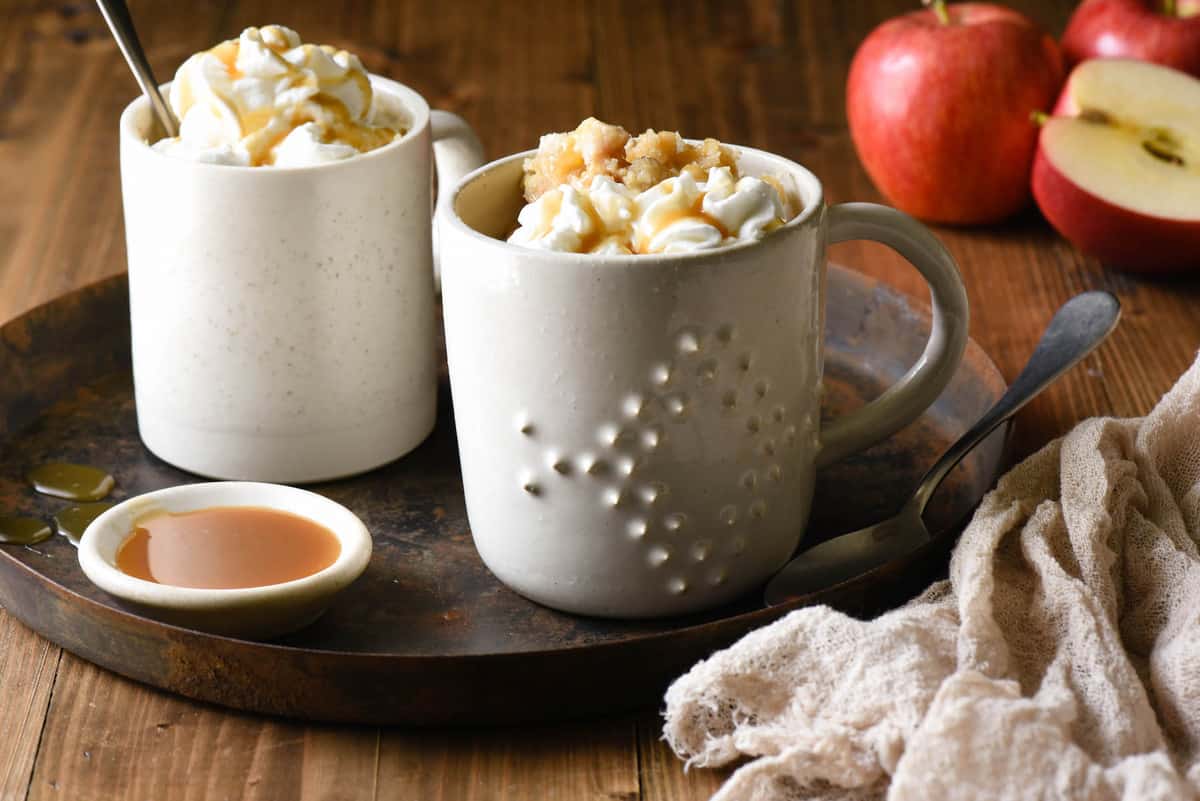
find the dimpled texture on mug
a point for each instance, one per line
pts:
(707, 371)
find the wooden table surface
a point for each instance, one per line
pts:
(767, 74)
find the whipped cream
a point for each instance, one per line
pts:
(676, 215)
(266, 99)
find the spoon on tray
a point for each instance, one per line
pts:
(1077, 328)
(116, 14)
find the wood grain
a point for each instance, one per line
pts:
(663, 776)
(594, 761)
(108, 738)
(762, 73)
(28, 665)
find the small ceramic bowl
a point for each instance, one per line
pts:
(252, 613)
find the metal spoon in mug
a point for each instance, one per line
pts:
(1077, 328)
(116, 14)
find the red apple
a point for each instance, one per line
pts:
(1163, 31)
(939, 105)
(1117, 170)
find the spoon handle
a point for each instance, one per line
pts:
(1078, 327)
(116, 14)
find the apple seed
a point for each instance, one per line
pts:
(1160, 152)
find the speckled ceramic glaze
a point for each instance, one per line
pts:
(282, 319)
(639, 434)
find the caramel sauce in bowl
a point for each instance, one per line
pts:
(244, 525)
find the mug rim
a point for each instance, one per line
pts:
(625, 259)
(411, 100)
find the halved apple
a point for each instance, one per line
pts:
(1117, 169)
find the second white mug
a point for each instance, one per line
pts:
(639, 434)
(283, 318)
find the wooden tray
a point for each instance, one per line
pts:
(427, 635)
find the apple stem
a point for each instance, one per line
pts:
(940, 11)
(1168, 8)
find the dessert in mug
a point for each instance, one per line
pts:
(265, 99)
(599, 190)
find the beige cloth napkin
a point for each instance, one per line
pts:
(1060, 661)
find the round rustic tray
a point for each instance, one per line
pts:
(427, 635)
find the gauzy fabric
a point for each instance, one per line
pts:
(1061, 660)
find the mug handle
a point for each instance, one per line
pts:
(456, 152)
(917, 389)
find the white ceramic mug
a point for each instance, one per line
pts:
(283, 318)
(639, 434)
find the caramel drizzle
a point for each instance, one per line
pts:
(639, 244)
(337, 127)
